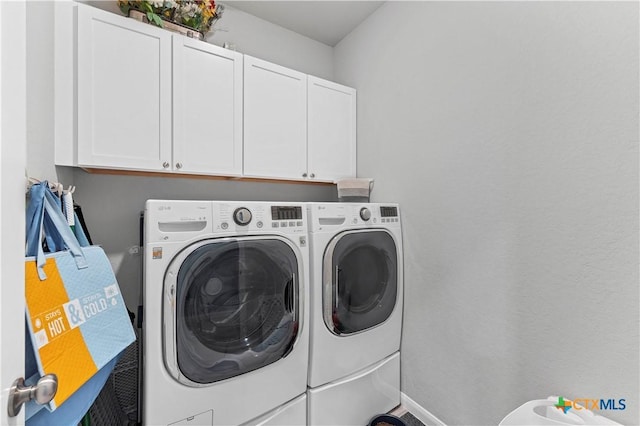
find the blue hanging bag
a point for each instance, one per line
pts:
(77, 321)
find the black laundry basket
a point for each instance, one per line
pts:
(117, 403)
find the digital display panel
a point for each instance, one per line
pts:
(286, 212)
(388, 211)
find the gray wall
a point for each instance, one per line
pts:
(508, 131)
(40, 95)
(261, 39)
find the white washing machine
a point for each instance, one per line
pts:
(225, 327)
(356, 311)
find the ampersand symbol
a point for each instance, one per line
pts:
(75, 315)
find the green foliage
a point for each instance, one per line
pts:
(125, 7)
(195, 14)
(154, 18)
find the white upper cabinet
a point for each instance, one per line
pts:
(297, 126)
(151, 100)
(275, 120)
(331, 134)
(124, 92)
(207, 108)
(133, 96)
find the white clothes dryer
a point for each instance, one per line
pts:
(356, 311)
(225, 324)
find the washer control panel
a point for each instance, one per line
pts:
(256, 216)
(168, 220)
(173, 220)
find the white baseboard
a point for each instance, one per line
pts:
(419, 411)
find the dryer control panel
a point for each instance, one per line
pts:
(325, 216)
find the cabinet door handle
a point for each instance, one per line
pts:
(312, 175)
(304, 175)
(165, 165)
(178, 166)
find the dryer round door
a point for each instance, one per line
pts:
(360, 277)
(234, 305)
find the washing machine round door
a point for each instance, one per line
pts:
(360, 278)
(236, 307)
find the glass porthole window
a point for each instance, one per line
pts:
(237, 308)
(361, 281)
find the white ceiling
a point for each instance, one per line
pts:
(325, 21)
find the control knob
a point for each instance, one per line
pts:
(242, 216)
(365, 214)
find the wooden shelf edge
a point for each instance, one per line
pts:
(203, 177)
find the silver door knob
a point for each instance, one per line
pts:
(304, 175)
(178, 166)
(42, 393)
(165, 165)
(312, 175)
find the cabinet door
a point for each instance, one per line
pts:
(207, 108)
(275, 120)
(331, 130)
(124, 92)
